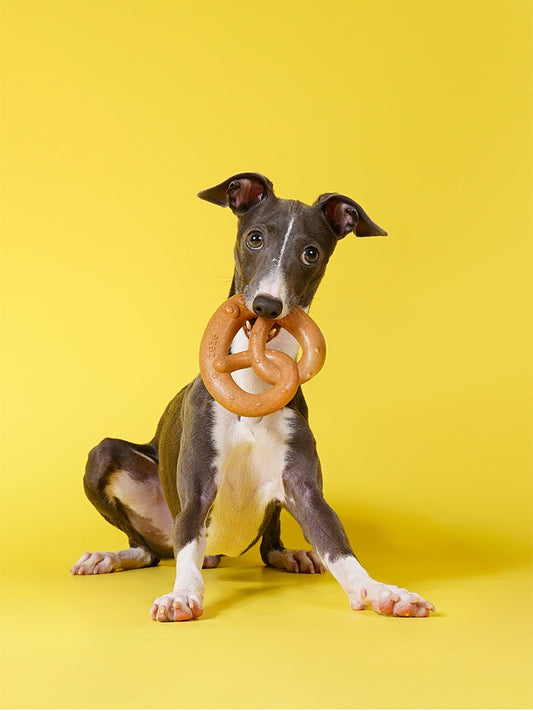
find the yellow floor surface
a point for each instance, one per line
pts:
(270, 639)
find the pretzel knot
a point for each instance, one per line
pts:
(274, 367)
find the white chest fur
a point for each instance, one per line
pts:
(251, 455)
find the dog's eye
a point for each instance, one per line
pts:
(310, 255)
(254, 240)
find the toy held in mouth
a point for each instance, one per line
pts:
(276, 368)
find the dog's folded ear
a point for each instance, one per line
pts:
(344, 215)
(240, 192)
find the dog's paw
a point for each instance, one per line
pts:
(296, 561)
(212, 561)
(390, 600)
(177, 607)
(95, 564)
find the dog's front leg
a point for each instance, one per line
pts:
(321, 526)
(323, 529)
(185, 602)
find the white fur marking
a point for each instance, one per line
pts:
(250, 461)
(348, 572)
(273, 284)
(188, 568)
(285, 239)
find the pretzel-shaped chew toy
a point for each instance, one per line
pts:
(274, 367)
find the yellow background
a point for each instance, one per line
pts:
(115, 114)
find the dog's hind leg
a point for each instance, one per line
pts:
(121, 481)
(275, 555)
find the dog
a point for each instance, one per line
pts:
(212, 483)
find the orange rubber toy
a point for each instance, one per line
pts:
(274, 367)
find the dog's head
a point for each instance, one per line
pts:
(283, 246)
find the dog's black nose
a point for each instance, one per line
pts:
(267, 306)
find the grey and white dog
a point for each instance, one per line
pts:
(211, 483)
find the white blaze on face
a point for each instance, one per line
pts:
(285, 240)
(273, 283)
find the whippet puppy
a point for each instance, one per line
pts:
(211, 483)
